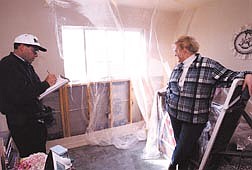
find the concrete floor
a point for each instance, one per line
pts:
(111, 158)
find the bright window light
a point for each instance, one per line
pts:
(73, 51)
(101, 54)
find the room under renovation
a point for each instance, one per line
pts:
(126, 84)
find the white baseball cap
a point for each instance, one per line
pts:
(29, 40)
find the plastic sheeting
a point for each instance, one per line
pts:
(241, 138)
(160, 139)
(97, 14)
(159, 30)
(243, 134)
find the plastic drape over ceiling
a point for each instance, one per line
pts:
(152, 23)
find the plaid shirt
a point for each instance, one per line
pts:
(192, 104)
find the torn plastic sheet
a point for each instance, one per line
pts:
(98, 14)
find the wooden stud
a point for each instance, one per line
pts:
(62, 110)
(67, 121)
(111, 114)
(130, 102)
(89, 100)
(64, 104)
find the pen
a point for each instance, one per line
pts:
(64, 77)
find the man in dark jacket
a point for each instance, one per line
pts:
(19, 90)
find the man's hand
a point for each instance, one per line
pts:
(248, 82)
(51, 79)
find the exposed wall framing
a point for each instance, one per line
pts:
(90, 107)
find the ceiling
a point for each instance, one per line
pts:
(170, 5)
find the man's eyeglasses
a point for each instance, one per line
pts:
(34, 49)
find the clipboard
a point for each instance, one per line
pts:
(61, 81)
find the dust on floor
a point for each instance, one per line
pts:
(111, 158)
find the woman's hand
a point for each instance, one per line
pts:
(248, 82)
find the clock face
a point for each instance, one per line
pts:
(243, 42)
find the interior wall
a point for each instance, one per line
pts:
(40, 19)
(214, 25)
(163, 33)
(28, 16)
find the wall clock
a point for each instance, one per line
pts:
(243, 43)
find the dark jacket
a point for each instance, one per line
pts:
(19, 88)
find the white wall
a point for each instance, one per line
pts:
(38, 18)
(28, 16)
(215, 25)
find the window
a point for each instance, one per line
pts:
(101, 54)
